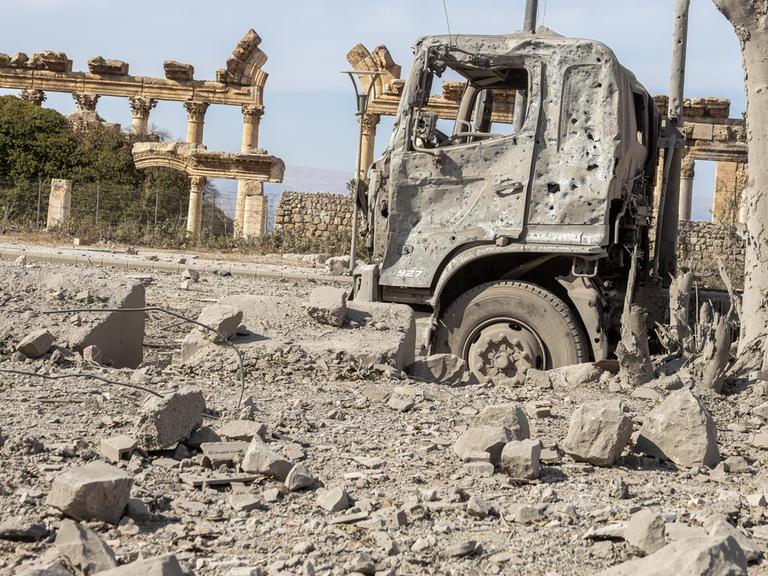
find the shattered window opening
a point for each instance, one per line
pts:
(486, 93)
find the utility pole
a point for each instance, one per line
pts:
(665, 258)
(531, 13)
(521, 96)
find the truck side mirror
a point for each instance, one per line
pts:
(424, 128)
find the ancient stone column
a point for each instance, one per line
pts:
(251, 120)
(687, 174)
(195, 212)
(255, 214)
(140, 108)
(36, 97)
(86, 102)
(368, 144)
(195, 121)
(59, 203)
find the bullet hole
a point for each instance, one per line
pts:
(553, 187)
(592, 167)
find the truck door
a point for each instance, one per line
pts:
(468, 186)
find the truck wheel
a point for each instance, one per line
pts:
(501, 329)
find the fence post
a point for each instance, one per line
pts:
(213, 211)
(157, 201)
(98, 190)
(39, 199)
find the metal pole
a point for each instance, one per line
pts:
(669, 205)
(531, 13)
(355, 192)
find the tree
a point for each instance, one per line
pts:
(749, 19)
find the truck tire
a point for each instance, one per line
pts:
(501, 329)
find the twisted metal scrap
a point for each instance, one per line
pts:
(79, 375)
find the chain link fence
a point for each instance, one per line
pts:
(117, 212)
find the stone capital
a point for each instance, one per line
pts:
(252, 113)
(141, 106)
(370, 121)
(687, 169)
(197, 183)
(86, 102)
(36, 97)
(196, 110)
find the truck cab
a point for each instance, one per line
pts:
(510, 223)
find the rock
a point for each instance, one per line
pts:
(459, 550)
(701, 557)
(491, 439)
(165, 421)
(217, 454)
(93, 354)
(50, 569)
(96, 491)
(244, 502)
(511, 416)
(478, 507)
(337, 265)
(403, 398)
(36, 344)
(298, 478)
(117, 448)
(83, 549)
(261, 459)
(479, 469)
(137, 509)
(333, 500)
(441, 368)
(222, 318)
(598, 433)
(722, 529)
(242, 430)
(119, 335)
(618, 489)
(202, 435)
(520, 459)
(645, 531)
(190, 274)
(22, 530)
(681, 430)
(363, 564)
(166, 565)
(328, 305)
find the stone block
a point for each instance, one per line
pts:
(117, 448)
(83, 549)
(36, 344)
(96, 491)
(59, 203)
(165, 421)
(166, 565)
(261, 459)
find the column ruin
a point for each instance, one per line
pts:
(252, 115)
(59, 203)
(687, 174)
(195, 211)
(36, 97)
(195, 121)
(140, 108)
(368, 144)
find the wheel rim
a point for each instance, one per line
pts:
(502, 350)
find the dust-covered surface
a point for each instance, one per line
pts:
(415, 507)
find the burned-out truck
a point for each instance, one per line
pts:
(515, 236)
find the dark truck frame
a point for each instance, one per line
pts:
(516, 236)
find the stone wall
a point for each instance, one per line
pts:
(314, 215)
(701, 244)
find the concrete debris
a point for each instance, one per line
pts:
(242, 430)
(165, 421)
(490, 439)
(50, 569)
(701, 557)
(403, 398)
(337, 265)
(18, 529)
(445, 369)
(93, 354)
(598, 433)
(96, 491)
(328, 305)
(190, 274)
(217, 454)
(166, 565)
(261, 459)
(511, 416)
(83, 549)
(722, 529)
(298, 478)
(222, 318)
(333, 499)
(681, 430)
(645, 531)
(36, 344)
(478, 507)
(459, 550)
(520, 459)
(117, 448)
(119, 335)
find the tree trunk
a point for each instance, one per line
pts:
(750, 21)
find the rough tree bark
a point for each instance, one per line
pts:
(749, 19)
(632, 352)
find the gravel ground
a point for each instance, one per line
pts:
(412, 497)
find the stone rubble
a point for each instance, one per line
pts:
(165, 421)
(598, 433)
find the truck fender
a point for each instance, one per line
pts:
(591, 307)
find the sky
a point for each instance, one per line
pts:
(309, 120)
